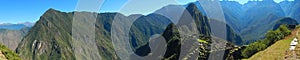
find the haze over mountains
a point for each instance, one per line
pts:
(12, 34)
(51, 36)
(257, 16)
(18, 26)
(253, 16)
(54, 27)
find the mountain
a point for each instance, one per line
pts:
(12, 26)
(287, 7)
(27, 24)
(233, 12)
(285, 21)
(255, 16)
(201, 21)
(11, 38)
(248, 36)
(249, 17)
(18, 26)
(57, 35)
(181, 44)
(294, 10)
(51, 36)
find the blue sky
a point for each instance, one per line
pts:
(16, 11)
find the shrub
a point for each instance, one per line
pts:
(271, 37)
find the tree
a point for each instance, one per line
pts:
(284, 30)
(271, 35)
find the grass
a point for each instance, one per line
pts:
(202, 41)
(276, 51)
(9, 54)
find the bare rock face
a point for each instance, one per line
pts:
(11, 38)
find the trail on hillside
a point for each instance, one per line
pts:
(279, 50)
(293, 54)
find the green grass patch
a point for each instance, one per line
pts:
(274, 52)
(9, 54)
(202, 41)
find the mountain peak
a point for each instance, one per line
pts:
(51, 13)
(192, 8)
(51, 10)
(192, 5)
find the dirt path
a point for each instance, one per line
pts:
(294, 54)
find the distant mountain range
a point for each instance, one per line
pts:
(12, 38)
(257, 16)
(18, 26)
(12, 34)
(50, 38)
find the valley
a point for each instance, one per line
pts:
(256, 30)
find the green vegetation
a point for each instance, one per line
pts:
(53, 34)
(271, 38)
(276, 51)
(9, 54)
(202, 41)
(259, 29)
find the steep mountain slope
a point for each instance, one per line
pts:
(233, 12)
(194, 49)
(287, 7)
(11, 38)
(146, 26)
(51, 38)
(201, 21)
(255, 16)
(248, 37)
(172, 36)
(287, 21)
(250, 17)
(295, 10)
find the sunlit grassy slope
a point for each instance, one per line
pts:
(274, 52)
(277, 51)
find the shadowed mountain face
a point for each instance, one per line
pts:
(201, 21)
(185, 46)
(255, 16)
(285, 21)
(51, 36)
(250, 17)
